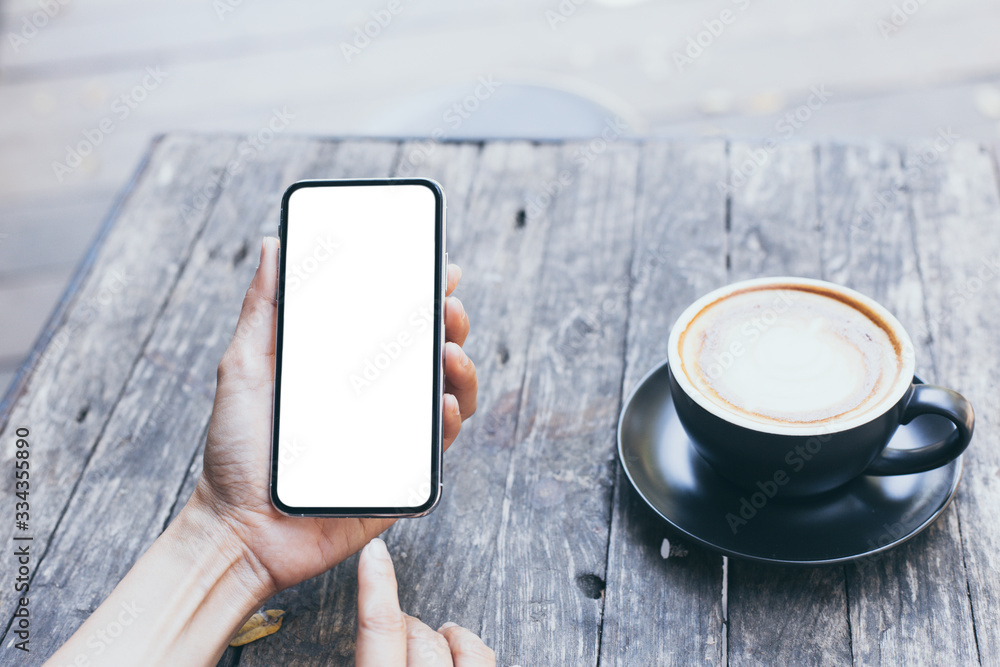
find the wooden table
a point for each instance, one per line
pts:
(577, 258)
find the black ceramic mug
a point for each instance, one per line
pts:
(794, 386)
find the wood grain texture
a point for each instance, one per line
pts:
(956, 212)
(908, 606)
(442, 560)
(160, 418)
(74, 387)
(665, 611)
(574, 271)
(774, 231)
(549, 581)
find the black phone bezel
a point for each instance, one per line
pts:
(439, 289)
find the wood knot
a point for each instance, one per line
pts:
(590, 585)
(241, 253)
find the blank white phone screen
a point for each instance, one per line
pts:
(357, 370)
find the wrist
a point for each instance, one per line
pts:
(204, 528)
(181, 602)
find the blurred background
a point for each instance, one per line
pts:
(86, 84)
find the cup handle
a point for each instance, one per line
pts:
(929, 399)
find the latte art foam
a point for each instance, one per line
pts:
(790, 355)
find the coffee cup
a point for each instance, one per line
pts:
(795, 386)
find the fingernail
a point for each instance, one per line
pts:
(459, 269)
(465, 359)
(458, 409)
(377, 549)
(449, 624)
(263, 245)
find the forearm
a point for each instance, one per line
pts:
(178, 605)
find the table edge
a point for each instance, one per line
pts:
(80, 273)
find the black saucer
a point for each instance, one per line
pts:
(867, 516)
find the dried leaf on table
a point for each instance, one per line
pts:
(261, 624)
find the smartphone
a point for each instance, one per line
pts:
(358, 367)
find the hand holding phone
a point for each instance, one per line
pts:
(234, 484)
(229, 549)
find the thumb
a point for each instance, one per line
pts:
(253, 342)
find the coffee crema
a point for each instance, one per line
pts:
(791, 355)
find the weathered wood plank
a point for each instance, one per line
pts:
(896, 617)
(159, 420)
(549, 581)
(441, 559)
(867, 235)
(76, 384)
(956, 212)
(780, 616)
(665, 611)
